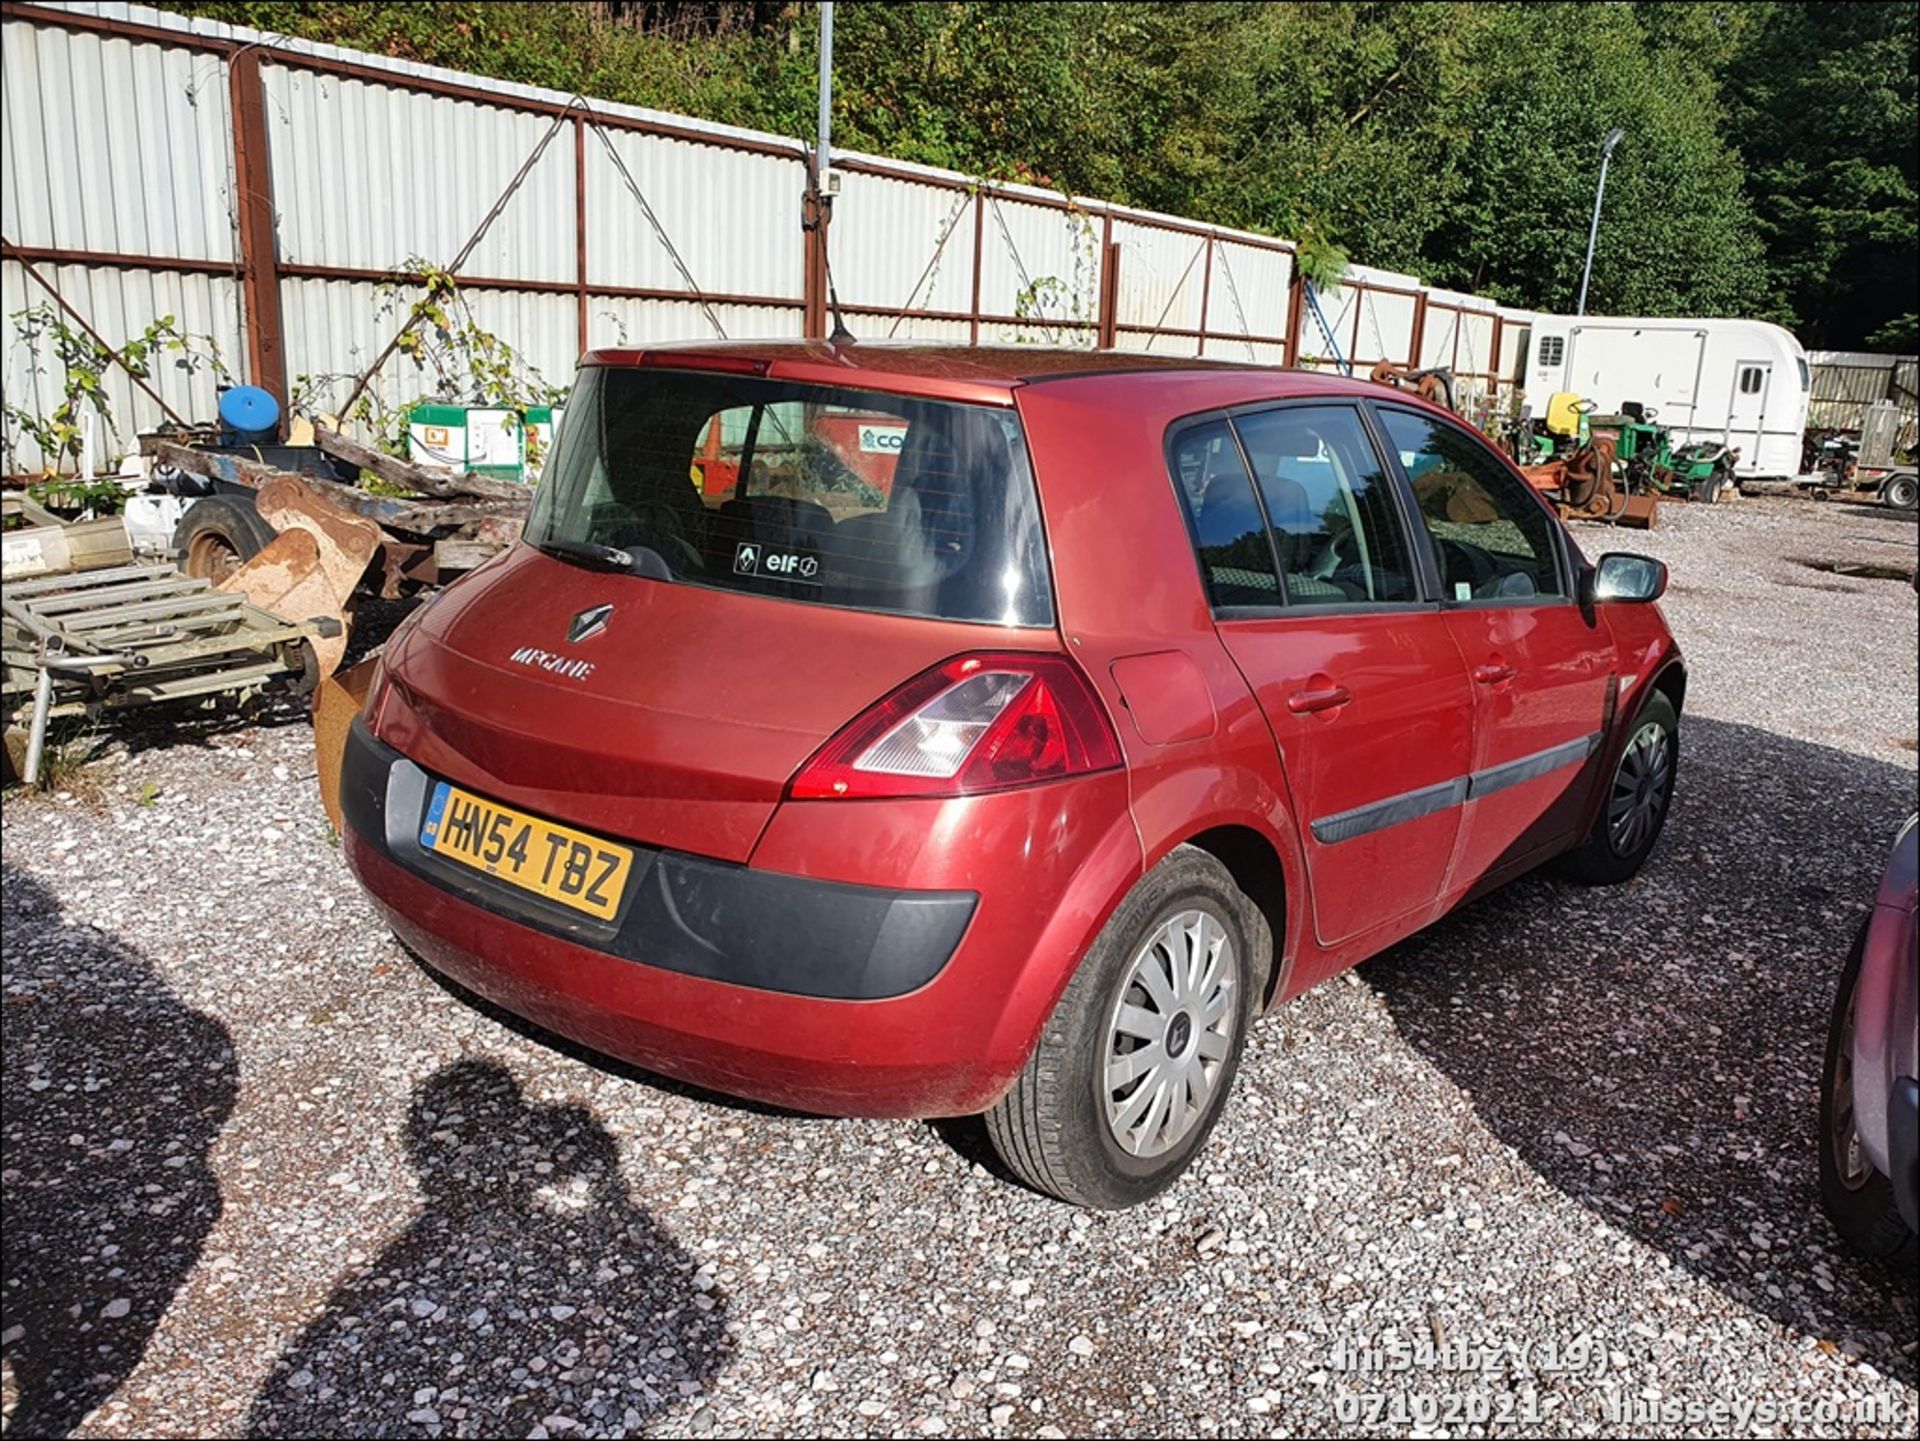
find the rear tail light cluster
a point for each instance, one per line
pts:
(981, 722)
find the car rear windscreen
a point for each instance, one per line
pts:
(809, 493)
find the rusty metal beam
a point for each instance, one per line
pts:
(1206, 293)
(253, 205)
(296, 270)
(1296, 308)
(119, 259)
(979, 234)
(580, 229)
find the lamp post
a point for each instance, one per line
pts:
(1614, 137)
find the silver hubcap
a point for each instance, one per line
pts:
(1640, 789)
(1170, 1034)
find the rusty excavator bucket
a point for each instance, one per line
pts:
(311, 567)
(336, 701)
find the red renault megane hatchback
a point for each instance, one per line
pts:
(919, 732)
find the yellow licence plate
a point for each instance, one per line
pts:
(564, 865)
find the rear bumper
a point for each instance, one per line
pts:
(686, 913)
(983, 980)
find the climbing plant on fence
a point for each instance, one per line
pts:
(83, 366)
(456, 361)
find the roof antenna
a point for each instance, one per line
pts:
(822, 201)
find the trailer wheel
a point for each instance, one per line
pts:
(219, 534)
(1900, 492)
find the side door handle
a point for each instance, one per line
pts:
(1330, 697)
(1493, 672)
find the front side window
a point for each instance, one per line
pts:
(1336, 528)
(1492, 540)
(809, 493)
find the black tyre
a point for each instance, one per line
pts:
(1712, 489)
(219, 534)
(1901, 492)
(1134, 1065)
(1638, 795)
(1858, 1199)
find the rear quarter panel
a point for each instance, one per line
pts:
(1129, 588)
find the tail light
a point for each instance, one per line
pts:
(981, 722)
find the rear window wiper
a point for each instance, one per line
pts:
(639, 559)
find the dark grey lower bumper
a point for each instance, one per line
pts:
(686, 913)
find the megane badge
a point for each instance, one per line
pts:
(588, 623)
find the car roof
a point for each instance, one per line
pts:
(987, 373)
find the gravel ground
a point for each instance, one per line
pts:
(264, 1174)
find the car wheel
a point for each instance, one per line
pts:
(1634, 806)
(1901, 492)
(1132, 1068)
(218, 534)
(1858, 1199)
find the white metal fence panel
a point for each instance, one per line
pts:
(370, 177)
(1163, 274)
(114, 146)
(885, 235)
(1386, 327)
(733, 216)
(120, 304)
(1041, 264)
(1251, 293)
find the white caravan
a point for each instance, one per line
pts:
(1740, 382)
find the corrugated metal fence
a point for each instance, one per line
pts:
(278, 199)
(1845, 383)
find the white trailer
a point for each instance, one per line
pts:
(1740, 382)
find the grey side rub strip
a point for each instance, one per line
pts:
(1412, 805)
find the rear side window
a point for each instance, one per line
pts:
(1229, 532)
(1335, 523)
(810, 493)
(1492, 540)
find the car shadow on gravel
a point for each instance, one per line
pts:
(529, 1287)
(1654, 1050)
(114, 1092)
(587, 1056)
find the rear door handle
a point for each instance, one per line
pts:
(1493, 672)
(1330, 697)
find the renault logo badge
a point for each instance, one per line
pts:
(588, 623)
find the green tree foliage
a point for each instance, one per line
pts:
(1822, 101)
(1768, 168)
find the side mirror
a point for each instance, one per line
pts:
(1623, 576)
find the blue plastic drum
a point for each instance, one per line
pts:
(249, 416)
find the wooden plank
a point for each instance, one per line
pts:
(442, 483)
(382, 510)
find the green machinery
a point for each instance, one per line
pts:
(1644, 457)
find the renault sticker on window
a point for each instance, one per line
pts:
(755, 559)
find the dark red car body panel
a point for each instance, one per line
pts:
(704, 703)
